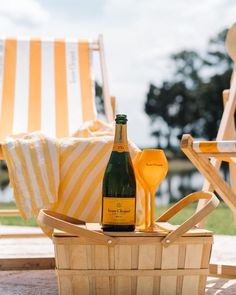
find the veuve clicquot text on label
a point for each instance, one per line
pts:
(119, 184)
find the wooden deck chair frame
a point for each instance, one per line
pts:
(208, 163)
(201, 160)
(109, 106)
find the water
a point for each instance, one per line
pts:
(6, 195)
(178, 185)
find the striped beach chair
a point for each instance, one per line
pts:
(48, 85)
(223, 148)
(207, 156)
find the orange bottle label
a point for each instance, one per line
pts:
(120, 147)
(118, 211)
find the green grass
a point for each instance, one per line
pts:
(15, 220)
(220, 221)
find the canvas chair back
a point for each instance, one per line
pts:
(48, 85)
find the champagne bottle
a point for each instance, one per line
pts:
(119, 184)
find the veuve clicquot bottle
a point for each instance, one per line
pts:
(119, 184)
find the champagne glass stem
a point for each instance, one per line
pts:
(152, 205)
(146, 208)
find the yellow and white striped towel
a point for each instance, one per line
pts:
(62, 175)
(33, 166)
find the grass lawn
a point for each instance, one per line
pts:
(220, 221)
(15, 220)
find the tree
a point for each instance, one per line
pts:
(99, 98)
(191, 101)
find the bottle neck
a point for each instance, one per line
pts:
(120, 139)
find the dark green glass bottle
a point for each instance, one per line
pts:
(119, 184)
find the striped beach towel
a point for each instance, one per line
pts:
(63, 175)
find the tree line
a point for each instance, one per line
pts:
(190, 101)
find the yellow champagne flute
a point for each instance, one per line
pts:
(152, 166)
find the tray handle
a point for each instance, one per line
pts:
(212, 203)
(71, 225)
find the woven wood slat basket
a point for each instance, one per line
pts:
(172, 260)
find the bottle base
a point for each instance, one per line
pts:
(116, 228)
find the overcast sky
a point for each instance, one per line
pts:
(139, 36)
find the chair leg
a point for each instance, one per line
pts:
(230, 135)
(207, 187)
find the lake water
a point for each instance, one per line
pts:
(178, 185)
(6, 195)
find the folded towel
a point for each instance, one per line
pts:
(63, 175)
(33, 165)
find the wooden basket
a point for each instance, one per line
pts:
(173, 260)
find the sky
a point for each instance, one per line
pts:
(139, 36)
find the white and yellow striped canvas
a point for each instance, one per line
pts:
(216, 148)
(45, 85)
(224, 146)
